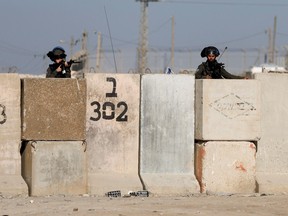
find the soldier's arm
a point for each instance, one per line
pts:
(199, 72)
(227, 75)
(51, 72)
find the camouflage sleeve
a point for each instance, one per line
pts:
(199, 72)
(51, 73)
(227, 75)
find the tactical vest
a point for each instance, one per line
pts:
(214, 71)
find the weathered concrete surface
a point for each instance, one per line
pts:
(113, 132)
(272, 160)
(227, 110)
(55, 167)
(226, 167)
(53, 109)
(167, 134)
(11, 182)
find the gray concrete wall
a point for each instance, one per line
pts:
(167, 134)
(53, 109)
(272, 160)
(113, 132)
(227, 110)
(11, 181)
(55, 167)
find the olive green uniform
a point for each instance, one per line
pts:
(52, 73)
(213, 70)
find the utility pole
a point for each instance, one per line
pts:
(274, 39)
(84, 48)
(269, 55)
(244, 59)
(286, 57)
(71, 46)
(172, 42)
(143, 42)
(98, 53)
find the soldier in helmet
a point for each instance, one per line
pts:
(60, 68)
(211, 69)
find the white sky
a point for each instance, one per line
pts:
(30, 28)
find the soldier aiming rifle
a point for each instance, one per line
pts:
(60, 68)
(211, 69)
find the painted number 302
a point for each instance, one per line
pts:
(107, 110)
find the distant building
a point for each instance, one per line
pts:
(267, 68)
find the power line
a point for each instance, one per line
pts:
(160, 26)
(282, 34)
(241, 39)
(16, 49)
(225, 3)
(157, 47)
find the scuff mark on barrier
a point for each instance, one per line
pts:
(239, 166)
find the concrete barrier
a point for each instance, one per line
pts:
(227, 118)
(113, 132)
(272, 160)
(226, 167)
(11, 182)
(227, 110)
(167, 134)
(54, 167)
(53, 109)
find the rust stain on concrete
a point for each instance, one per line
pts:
(252, 146)
(200, 154)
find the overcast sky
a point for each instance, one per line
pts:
(30, 28)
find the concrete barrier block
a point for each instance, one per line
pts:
(226, 167)
(113, 132)
(53, 109)
(227, 110)
(11, 182)
(275, 183)
(167, 134)
(54, 167)
(272, 160)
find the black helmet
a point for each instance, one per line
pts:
(57, 52)
(210, 50)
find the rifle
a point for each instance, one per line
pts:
(63, 66)
(69, 63)
(222, 53)
(72, 62)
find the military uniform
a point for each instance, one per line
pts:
(52, 73)
(58, 53)
(214, 70)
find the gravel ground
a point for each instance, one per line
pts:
(197, 204)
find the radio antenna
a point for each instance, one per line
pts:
(223, 53)
(111, 40)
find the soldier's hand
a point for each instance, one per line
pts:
(67, 64)
(59, 69)
(208, 77)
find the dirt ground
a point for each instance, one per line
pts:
(197, 204)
